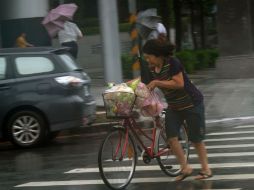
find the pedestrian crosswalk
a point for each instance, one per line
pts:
(134, 180)
(230, 153)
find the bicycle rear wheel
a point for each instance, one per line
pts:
(117, 159)
(167, 161)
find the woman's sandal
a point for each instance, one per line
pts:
(182, 176)
(202, 175)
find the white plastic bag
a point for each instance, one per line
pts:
(119, 100)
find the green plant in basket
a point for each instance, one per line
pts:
(134, 84)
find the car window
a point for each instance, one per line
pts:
(2, 68)
(69, 62)
(33, 65)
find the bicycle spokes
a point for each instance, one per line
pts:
(117, 159)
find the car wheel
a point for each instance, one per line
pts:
(27, 129)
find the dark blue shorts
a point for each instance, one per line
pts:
(195, 120)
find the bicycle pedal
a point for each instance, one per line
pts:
(146, 159)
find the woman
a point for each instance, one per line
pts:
(185, 102)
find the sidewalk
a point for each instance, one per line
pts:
(223, 98)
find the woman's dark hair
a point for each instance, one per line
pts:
(158, 48)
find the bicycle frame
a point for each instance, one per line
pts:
(118, 150)
(131, 124)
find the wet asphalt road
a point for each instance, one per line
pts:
(230, 137)
(230, 147)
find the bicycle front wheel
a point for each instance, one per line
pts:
(167, 161)
(117, 159)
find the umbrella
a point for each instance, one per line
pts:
(150, 21)
(146, 25)
(147, 21)
(55, 19)
(147, 13)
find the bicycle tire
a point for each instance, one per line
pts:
(168, 162)
(117, 168)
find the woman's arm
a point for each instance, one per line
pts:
(176, 82)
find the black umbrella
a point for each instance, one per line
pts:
(147, 21)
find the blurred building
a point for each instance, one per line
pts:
(17, 16)
(236, 42)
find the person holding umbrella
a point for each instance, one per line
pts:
(159, 32)
(68, 37)
(149, 27)
(57, 23)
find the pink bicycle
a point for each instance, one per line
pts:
(118, 154)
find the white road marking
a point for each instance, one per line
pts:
(244, 126)
(156, 167)
(210, 155)
(231, 133)
(134, 180)
(228, 146)
(229, 119)
(61, 183)
(229, 139)
(223, 154)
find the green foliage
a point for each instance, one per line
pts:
(89, 22)
(197, 59)
(127, 61)
(202, 59)
(90, 26)
(191, 59)
(213, 55)
(188, 60)
(90, 30)
(209, 6)
(124, 27)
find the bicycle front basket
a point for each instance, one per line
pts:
(118, 104)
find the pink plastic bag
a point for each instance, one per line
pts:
(153, 106)
(149, 103)
(143, 95)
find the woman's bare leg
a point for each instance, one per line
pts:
(179, 153)
(202, 155)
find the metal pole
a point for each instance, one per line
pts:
(110, 41)
(0, 35)
(132, 6)
(134, 38)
